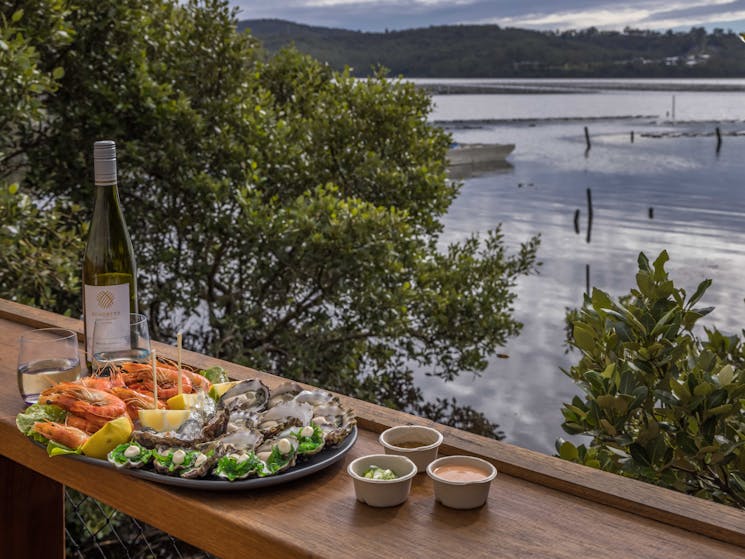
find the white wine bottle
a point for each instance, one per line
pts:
(109, 269)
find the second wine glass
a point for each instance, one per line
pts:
(112, 345)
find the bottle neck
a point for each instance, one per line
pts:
(106, 204)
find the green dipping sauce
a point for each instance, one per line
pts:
(376, 472)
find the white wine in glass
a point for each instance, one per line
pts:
(46, 357)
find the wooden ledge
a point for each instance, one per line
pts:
(695, 515)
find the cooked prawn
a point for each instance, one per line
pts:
(139, 376)
(103, 382)
(63, 434)
(94, 405)
(135, 400)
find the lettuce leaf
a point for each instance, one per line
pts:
(215, 374)
(57, 449)
(38, 412)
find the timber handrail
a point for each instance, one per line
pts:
(692, 514)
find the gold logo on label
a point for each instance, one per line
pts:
(105, 299)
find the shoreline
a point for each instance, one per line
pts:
(539, 86)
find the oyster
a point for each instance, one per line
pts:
(335, 421)
(316, 397)
(283, 393)
(238, 466)
(242, 441)
(277, 455)
(247, 395)
(284, 415)
(189, 433)
(242, 420)
(184, 462)
(310, 439)
(130, 455)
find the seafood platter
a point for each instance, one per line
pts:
(192, 428)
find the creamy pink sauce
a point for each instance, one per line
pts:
(460, 472)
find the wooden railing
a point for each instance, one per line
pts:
(538, 506)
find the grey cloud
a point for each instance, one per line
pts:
(378, 15)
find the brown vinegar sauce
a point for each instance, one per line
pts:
(410, 444)
(460, 472)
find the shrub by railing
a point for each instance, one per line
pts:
(661, 404)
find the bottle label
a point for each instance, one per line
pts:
(107, 308)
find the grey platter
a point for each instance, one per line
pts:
(322, 460)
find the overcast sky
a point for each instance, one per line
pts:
(378, 15)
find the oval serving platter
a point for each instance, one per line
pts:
(322, 460)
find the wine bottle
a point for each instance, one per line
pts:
(109, 269)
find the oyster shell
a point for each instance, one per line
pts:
(238, 466)
(284, 415)
(247, 395)
(185, 462)
(284, 393)
(242, 420)
(277, 454)
(335, 421)
(242, 441)
(188, 434)
(316, 397)
(310, 439)
(130, 455)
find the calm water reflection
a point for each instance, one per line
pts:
(698, 201)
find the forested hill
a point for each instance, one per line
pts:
(471, 51)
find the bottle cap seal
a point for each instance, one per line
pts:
(104, 162)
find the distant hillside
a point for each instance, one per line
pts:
(471, 51)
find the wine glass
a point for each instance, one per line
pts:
(116, 341)
(46, 356)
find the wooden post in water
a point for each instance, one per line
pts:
(587, 137)
(589, 214)
(673, 109)
(576, 221)
(632, 136)
(719, 139)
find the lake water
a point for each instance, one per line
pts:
(698, 214)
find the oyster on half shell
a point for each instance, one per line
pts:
(284, 415)
(335, 421)
(247, 395)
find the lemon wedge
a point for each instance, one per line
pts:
(163, 420)
(220, 388)
(182, 401)
(107, 438)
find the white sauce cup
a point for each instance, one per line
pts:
(382, 492)
(428, 438)
(462, 494)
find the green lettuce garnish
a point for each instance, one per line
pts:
(232, 469)
(277, 461)
(215, 374)
(57, 449)
(166, 460)
(117, 455)
(38, 412)
(309, 444)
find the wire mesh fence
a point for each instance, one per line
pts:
(94, 530)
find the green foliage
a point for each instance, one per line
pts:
(660, 404)
(290, 212)
(39, 245)
(481, 51)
